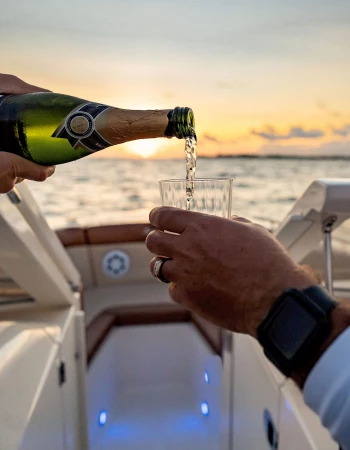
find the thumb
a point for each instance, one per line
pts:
(10, 84)
(23, 168)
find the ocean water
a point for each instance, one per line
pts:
(108, 191)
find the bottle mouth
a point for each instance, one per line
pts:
(181, 123)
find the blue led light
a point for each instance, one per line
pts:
(204, 408)
(288, 406)
(103, 418)
(206, 377)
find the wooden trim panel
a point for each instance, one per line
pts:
(149, 315)
(72, 236)
(99, 329)
(97, 332)
(113, 234)
(107, 234)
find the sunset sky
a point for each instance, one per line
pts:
(261, 76)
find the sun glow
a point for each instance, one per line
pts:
(144, 147)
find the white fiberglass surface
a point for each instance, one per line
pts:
(155, 388)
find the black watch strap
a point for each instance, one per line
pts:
(321, 297)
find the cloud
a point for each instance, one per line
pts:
(332, 148)
(210, 138)
(168, 95)
(324, 107)
(207, 138)
(230, 85)
(294, 133)
(344, 131)
(321, 105)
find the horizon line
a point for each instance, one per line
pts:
(234, 156)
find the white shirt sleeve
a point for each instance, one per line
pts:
(327, 389)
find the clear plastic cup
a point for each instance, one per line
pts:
(210, 195)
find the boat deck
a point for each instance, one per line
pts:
(159, 386)
(158, 418)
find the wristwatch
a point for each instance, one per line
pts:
(295, 327)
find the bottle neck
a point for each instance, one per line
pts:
(122, 125)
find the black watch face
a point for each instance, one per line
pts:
(289, 334)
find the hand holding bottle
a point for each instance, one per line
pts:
(51, 128)
(13, 168)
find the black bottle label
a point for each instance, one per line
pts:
(79, 128)
(3, 98)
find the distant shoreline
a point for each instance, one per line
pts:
(273, 157)
(306, 157)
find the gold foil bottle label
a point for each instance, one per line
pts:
(80, 125)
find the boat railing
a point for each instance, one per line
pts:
(323, 207)
(33, 263)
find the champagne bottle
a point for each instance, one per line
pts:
(50, 128)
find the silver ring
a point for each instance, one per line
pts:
(157, 270)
